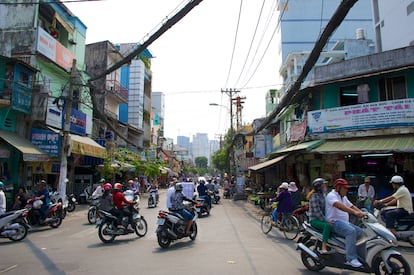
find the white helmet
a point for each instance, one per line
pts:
(37, 204)
(397, 180)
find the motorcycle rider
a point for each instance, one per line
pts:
(119, 200)
(177, 206)
(99, 190)
(2, 199)
(401, 198)
(105, 201)
(338, 208)
(317, 219)
(202, 192)
(154, 188)
(171, 191)
(43, 195)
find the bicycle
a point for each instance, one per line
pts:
(287, 223)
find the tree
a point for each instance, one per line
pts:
(201, 162)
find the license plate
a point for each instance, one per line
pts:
(73, 199)
(160, 221)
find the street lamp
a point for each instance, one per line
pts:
(231, 133)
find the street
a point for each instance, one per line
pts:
(229, 241)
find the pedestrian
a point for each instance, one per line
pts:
(21, 199)
(366, 194)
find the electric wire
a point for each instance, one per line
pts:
(234, 43)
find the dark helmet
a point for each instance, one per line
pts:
(179, 187)
(317, 183)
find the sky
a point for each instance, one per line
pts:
(208, 51)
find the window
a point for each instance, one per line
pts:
(392, 88)
(348, 95)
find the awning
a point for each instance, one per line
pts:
(30, 152)
(86, 146)
(301, 146)
(266, 164)
(384, 144)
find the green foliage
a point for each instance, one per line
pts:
(201, 162)
(221, 160)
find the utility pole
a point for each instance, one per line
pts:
(66, 130)
(231, 93)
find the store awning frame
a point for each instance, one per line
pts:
(308, 146)
(86, 146)
(30, 151)
(266, 164)
(364, 145)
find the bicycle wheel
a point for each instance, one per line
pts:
(291, 228)
(266, 223)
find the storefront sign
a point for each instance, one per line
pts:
(376, 115)
(50, 142)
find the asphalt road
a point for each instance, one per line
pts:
(230, 241)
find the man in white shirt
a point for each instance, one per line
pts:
(338, 208)
(366, 194)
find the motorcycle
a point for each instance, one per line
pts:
(13, 226)
(205, 208)
(69, 204)
(93, 213)
(152, 199)
(54, 215)
(376, 250)
(404, 225)
(109, 227)
(214, 195)
(172, 226)
(227, 193)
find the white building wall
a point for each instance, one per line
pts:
(136, 94)
(200, 146)
(394, 23)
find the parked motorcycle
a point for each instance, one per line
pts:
(69, 204)
(172, 226)
(13, 226)
(152, 199)
(93, 213)
(109, 227)
(54, 214)
(376, 251)
(404, 225)
(214, 195)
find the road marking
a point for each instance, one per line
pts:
(8, 269)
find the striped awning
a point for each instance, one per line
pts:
(379, 144)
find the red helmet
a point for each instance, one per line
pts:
(107, 186)
(341, 182)
(118, 186)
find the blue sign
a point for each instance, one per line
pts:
(78, 122)
(48, 141)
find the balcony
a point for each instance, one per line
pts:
(18, 96)
(115, 88)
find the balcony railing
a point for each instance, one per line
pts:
(115, 87)
(18, 96)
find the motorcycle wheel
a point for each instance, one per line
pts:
(411, 239)
(150, 201)
(71, 207)
(194, 231)
(397, 262)
(105, 238)
(163, 240)
(92, 215)
(141, 227)
(21, 232)
(307, 260)
(57, 220)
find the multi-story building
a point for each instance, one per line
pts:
(40, 42)
(390, 16)
(200, 146)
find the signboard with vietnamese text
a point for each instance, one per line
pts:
(50, 142)
(52, 49)
(376, 115)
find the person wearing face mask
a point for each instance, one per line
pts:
(317, 218)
